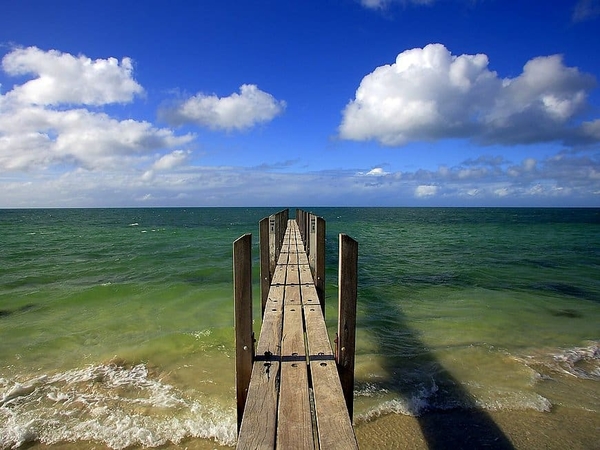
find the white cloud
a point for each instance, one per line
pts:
(375, 172)
(235, 112)
(63, 78)
(423, 190)
(564, 179)
(172, 160)
(430, 94)
(36, 134)
(32, 137)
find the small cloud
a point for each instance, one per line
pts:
(375, 172)
(425, 191)
(235, 112)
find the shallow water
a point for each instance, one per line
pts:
(116, 325)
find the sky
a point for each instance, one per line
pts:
(299, 103)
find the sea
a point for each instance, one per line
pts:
(476, 328)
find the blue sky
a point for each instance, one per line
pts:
(299, 103)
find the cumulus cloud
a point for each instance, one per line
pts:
(64, 78)
(41, 128)
(235, 112)
(430, 94)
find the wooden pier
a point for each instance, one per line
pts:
(293, 390)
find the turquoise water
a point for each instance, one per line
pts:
(116, 324)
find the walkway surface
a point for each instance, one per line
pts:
(295, 399)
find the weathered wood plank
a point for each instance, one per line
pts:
(294, 427)
(333, 422)
(280, 274)
(293, 255)
(292, 274)
(305, 274)
(259, 424)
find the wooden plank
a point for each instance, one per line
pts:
(259, 424)
(293, 255)
(305, 274)
(309, 295)
(294, 427)
(279, 275)
(244, 339)
(283, 259)
(292, 295)
(333, 421)
(292, 274)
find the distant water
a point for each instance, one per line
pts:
(116, 325)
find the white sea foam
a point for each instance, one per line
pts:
(578, 362)
(117, 406)
(427, 398)
(414, 405)
(201, 334)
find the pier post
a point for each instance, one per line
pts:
(346, 335)
(316, 257)
(244, 338)
(265, 273)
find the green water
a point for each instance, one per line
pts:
(116, 324)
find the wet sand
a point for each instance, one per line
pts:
(559, 429)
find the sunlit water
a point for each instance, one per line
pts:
(116, 326)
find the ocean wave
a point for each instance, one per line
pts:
(115, 405)
(430, 397)
(579, 362)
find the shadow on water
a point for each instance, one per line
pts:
(451, 418)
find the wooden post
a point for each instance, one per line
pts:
(265, 274)
(272, 239)
(278, 233)
(346, 335)
(244, 339)
(306, 232)
(317, 256)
